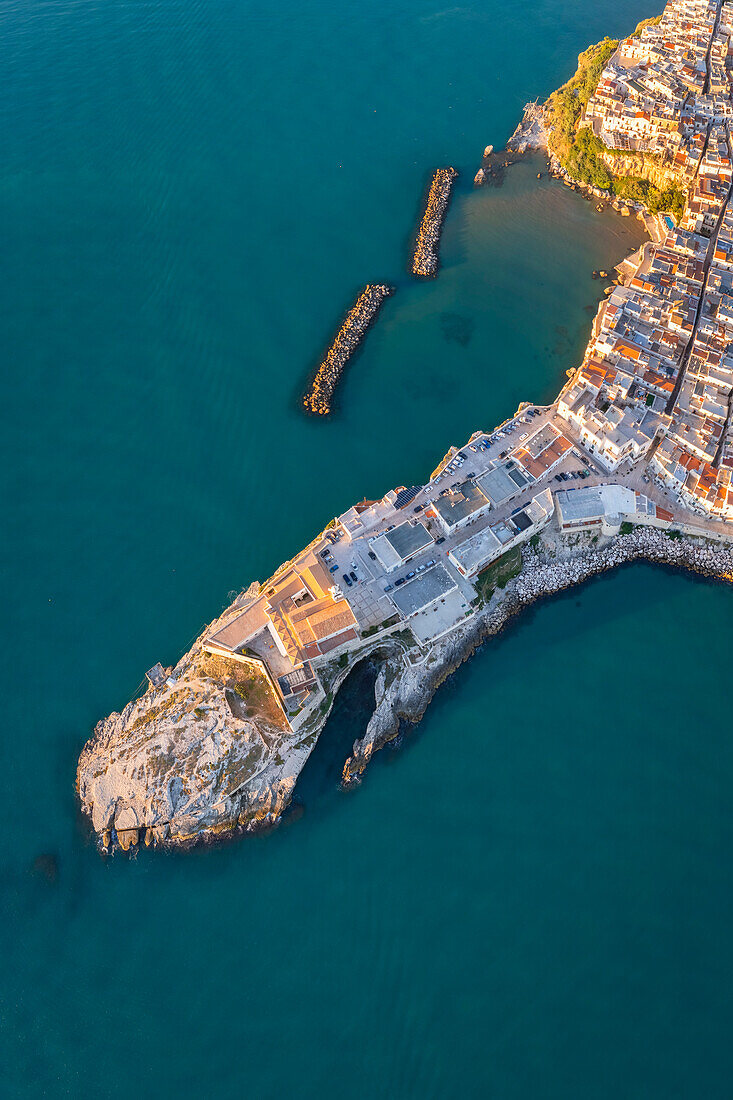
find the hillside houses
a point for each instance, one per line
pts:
(662, 90)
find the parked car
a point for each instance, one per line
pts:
(372, 555)
(389, 588)
(347, 579)
(410, 575)
(353, 575)
(432, 562)
(441, 539)
(399, 582)
(334, 568)
(325, 553)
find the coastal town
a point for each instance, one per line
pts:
(633, 459)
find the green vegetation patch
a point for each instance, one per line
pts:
(656, 199)
(565, 106)
(626, 528)
(499, 573)
(579, 150)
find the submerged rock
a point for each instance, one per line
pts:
(47, 865)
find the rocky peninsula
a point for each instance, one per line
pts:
(632, 461)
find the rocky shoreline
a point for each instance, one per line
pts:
(425, 258)
(543, 574)
(531, 136)
(362, 315)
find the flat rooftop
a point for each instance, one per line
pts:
(501, 483)
(592, 502)
(424, 590)
(522, 520)
(394, 547)
(578, 504)
(471, 554)
(461, 502)
(503, 532)
(408, 538)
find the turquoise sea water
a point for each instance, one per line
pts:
(534, 897)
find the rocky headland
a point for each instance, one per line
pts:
(216, 744)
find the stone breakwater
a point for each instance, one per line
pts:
(427, 241)
(356, 323)
(530, 133)
(406, 697)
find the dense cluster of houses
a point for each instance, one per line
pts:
(663, 89)
(657, 378)
(695, 458)
(620, 396)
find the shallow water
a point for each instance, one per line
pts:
(531, 898)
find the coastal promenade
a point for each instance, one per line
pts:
(632, 460)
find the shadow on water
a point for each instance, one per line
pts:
(319, 782)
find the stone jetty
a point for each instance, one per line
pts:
(318, 398)
(425, 256)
